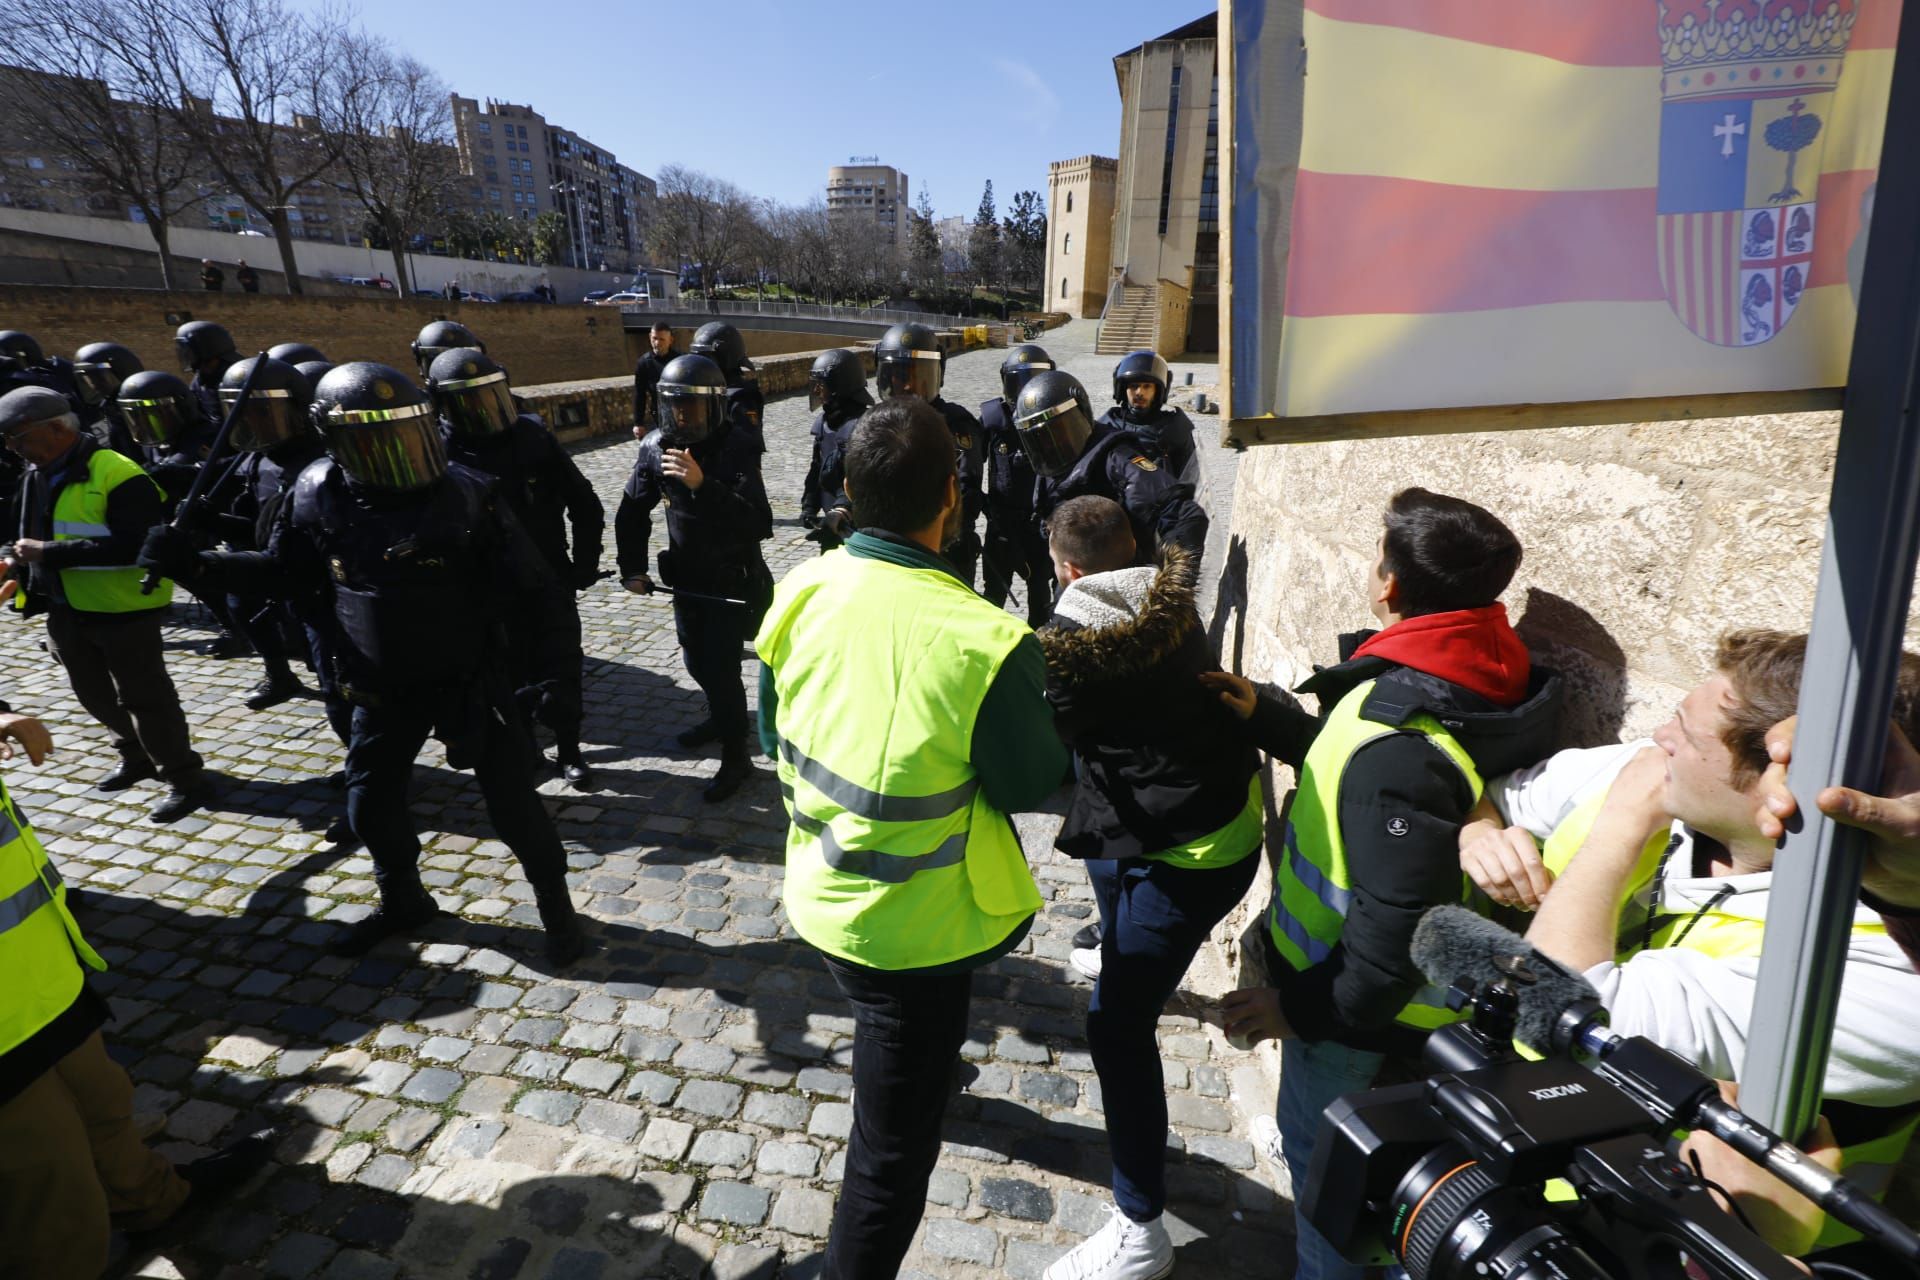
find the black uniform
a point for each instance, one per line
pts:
(825, 488)
(713, 548)
(1014, 546)
(645, 374)
(1124, 467)
(206, 389)
(1169, 431)
(544, 488)
(414, 591)
(970, 448)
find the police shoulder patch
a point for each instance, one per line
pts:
(964, 440)
(1397, 826)
(1145, 463)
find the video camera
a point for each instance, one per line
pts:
(1446, 1176)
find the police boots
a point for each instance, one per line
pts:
(736, 766)
(566, 939)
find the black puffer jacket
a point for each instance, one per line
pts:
(1161, 760)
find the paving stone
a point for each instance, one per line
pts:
(432, 1085)
(1029, 1261)
(610, 1120)
(777, 1110)
(744, 1262)
(473, 1139)
(794, 1159)
(1016, 1198)
(949, 1187)
(1050, 1088)
(961, 1241)
(738, 1204)
(652, 1086)
(200, 1122)
(722, 1147)
(486, 1096)
(666, 1139)
(803, 1211)
(1015, 1047)
(831, 1120)
(547, 1106)
(1196, 1113)
(710, 1098)
(596, 1074)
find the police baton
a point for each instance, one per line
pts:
(681, 593)
(203, 478)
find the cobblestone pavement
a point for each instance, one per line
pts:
(675, 1106)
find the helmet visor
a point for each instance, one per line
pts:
(425, 356)
(817, 392)
(910, 373)
(96, 383)
(1054, 437)
(480, 406)
(393, 449)
(1013, 381)
(154, 422)
(267, 420)
(688, 413)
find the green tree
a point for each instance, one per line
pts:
(550, 238)
(983, 241)
(923, 244)
(1024, 239)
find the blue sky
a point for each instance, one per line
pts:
(769, 94)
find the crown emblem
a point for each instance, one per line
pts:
(1713, 47)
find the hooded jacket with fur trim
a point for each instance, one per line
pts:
(1162, 761)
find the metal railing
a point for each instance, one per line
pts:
(809, 311)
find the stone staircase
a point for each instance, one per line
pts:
(1130, 322)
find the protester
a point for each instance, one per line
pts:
(1167, 808)
(1416, 715)
(212, 278)
(646, 375)
(909, 719)
(247, 278)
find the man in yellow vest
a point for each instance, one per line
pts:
(908, 718)
(72, 1165)
(1663, 888)
(1412, 719)
(84, 511)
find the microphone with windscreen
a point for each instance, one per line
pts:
(1455, 948)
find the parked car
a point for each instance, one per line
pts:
(523, 295)
(474, 295)
(597, 295)
(624, 300)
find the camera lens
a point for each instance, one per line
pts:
(1452, 1221)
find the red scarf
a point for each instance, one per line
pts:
(1473, 648)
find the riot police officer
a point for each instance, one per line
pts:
(314, 370)
(24, 364)
(99, 370)
(837, 393)
(206, 351)
(437, 336)
(1012, 547)
(1072, 455)
(721, 343)
(538, 479)
(274, 441)
(413, 562)
(702, 462)
(1140, 383)
(910, 363)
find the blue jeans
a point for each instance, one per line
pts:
(1153, 918)
(1312, 1075)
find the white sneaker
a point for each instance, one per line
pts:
(1121, 1250)
(1085, 960)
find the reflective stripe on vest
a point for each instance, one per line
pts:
(895, 857)
(80, 511)
(1312, 889)
(41, 949)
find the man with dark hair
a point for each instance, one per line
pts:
(1664, 887)
(1167, 810)
(646, 375)
(212, 278)
(908, 719)
(1412, 719)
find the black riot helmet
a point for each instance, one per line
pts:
(1140, 366)
(691, 400)
(910, 362)
(1054, 419)
(199, 341)
(314, 370)
(721, 343)
(1018, 368)
(379, 427)
(157, 407)
(838, 378)
(18, 351)
(296, 352)
(442, 335)
(100, 367)
(276, 409)
(471, 392)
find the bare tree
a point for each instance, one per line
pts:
(252, 78)
(99, 101)
(700, 220)
(390, 119)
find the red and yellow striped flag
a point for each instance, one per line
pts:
(1539, 201)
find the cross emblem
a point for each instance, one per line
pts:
(1726, 130)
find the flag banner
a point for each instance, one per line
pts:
(1537, 202)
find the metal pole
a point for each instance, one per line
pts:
(1853, 651)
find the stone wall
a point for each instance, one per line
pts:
(538, 343)
(1644, 542)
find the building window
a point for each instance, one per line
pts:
(1066, 243)
(1069, 202)
(485, 126)
(1063, 286)
(1166, 167)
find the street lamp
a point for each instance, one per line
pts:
(580, 215)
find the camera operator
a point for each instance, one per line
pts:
(1664, 876)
